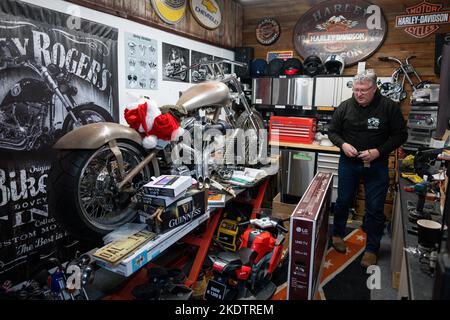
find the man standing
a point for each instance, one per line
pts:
(366, 127)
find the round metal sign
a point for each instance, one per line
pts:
(170, 11)
(207, 13)
(267, 31)
(353, 29)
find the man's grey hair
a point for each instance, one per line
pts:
(366, 75)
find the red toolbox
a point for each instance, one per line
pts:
(292, 129)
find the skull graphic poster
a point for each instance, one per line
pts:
(58, 72)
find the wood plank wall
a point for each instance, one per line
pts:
(228, 35)
(397, 43)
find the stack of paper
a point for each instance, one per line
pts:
(247, 177)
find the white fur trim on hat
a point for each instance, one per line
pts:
(149, 142)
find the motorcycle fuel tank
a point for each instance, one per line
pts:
(28, 90)
(204, 94)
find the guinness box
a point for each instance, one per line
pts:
(309, 238)
(189, 207)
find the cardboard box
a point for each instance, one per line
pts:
(188, 208)
(392, 162)
(309, 238)
(283, 210)
(168, 186)
(280, 209)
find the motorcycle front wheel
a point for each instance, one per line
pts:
(83, 195)
(88, 113)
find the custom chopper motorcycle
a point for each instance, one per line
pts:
(101, 166)
(28, 111)
(176, 67)
(247, 273)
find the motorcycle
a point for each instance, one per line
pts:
(200, 74)
(395, 90)
(100, 167)
(175, 67)
(247, 273)
(28, 111)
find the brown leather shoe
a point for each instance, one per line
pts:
(368, 259)
(339, 244)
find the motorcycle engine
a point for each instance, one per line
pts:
(18, 121)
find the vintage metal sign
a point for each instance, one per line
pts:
(422, 19)
(170, 11)
(207, 13)
(353, 29)
(267, 31)
(279, 55)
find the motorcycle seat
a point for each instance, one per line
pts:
(247, 256)
(229, 257)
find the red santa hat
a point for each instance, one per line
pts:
(136, 117)
(152, 123)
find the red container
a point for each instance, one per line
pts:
(292, 129)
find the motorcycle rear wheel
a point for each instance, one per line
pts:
(82, 192)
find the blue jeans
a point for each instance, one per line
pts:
(376, 184)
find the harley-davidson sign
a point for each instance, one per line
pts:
(422, 19)
(353, 29)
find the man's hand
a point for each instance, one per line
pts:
(369, 155)
(349, 150)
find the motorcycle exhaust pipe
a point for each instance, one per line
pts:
(136, 170)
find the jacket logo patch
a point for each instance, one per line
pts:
(373, 123)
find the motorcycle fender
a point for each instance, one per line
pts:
(94, 135)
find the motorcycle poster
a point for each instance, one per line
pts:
(200, 73)
(174, 60)
(141, 56)
(58, 72)
(226, 67)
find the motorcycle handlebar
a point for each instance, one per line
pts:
(210, 62)
(390, 59)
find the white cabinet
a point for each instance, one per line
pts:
(331, 91)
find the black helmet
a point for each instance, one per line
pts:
(258, 67)
(334, 64)
(275, 67)
(292, 66)
(312, 66)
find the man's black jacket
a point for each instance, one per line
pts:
(380, 125)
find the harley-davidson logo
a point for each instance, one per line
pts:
(267, 31)
(422, 19)
(353, 29)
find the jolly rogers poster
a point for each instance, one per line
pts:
(82, 56)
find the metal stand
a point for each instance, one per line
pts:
(204, 241)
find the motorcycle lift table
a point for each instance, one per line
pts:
(182, 234)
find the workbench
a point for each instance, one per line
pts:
(412, 282)
(154, 248)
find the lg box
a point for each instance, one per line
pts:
(309, 238)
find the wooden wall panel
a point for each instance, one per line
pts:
(228, 35)
(397, 43)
